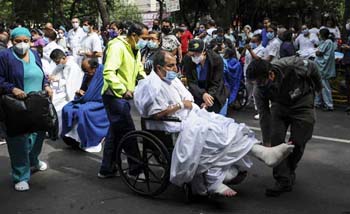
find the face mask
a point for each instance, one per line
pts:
(60, 66)
(347, 26)
(141, 44)
(75, 25)
(201, 30)
(305, 32)
(170, 76)
(86, 29)
(253, 45)
(270, 35)
(165, 30)
(46, 39)
(196, 59)
(60, 35)
(152, 45)
(112, 34)
(21, 48)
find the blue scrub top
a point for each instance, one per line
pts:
(33, 75)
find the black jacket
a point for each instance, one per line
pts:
(214, 82)
(295, 78)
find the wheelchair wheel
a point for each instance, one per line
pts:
(144, 163)
(241, 98)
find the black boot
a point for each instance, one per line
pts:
(277, 190)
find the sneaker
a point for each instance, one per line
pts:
(42, 166)
(257, 117)
(108, 175)
(22, 186)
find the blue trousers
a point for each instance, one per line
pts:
(24, 151)
(118, 112)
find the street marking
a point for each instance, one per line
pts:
(313, 136)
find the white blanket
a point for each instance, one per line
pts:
(209, 140)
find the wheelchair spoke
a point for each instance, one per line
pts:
(157, 165)
(132, 158)
(154, 175)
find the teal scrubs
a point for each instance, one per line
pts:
(25, 149)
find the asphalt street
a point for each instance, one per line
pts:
(70, 185)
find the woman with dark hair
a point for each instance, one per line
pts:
(325, 62)
(20, 74)
(287, 47)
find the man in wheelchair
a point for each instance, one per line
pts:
(210, 147)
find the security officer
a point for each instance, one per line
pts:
(290, 84)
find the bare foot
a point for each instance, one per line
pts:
(225, 191)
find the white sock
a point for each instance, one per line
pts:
(272, 156)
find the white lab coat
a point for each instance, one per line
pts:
(67, 81)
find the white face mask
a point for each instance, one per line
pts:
(197, 59)
(75, 25)
(21, 48)
(347, 26)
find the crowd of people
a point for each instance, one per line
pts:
(92, 75)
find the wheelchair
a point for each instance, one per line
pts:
(241, 98)
(143, 159)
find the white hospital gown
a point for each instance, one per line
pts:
(208, 143)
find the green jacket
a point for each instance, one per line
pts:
(121, 68)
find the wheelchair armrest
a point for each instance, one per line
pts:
(164, 119)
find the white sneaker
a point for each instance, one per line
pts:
(257, 117)
(22, 186)
(42, 166)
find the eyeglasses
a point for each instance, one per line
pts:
(75, 22)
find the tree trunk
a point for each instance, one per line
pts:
(161, 9)
(103, 11)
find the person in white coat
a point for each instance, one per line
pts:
(52, 45)
(65, 81)
(209, 146)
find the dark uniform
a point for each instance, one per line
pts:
(292, 96)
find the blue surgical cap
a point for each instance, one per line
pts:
(20, 31)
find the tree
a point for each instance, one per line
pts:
(103, 11)
(124, 12)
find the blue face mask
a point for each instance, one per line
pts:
(112, 34)
(170, 76)
(253, 45)
(46, 39)
(270, 35)
(141, 44)
(152, 45)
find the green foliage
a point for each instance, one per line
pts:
(123, 12)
